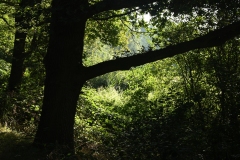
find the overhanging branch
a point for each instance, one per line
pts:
(107, 5)
(213, 38)
(114, 16)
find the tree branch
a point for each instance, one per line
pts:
(107, 5)
(5, 20)
(213, 38)
(114, 16)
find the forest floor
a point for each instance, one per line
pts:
(16, 146)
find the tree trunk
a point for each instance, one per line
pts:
(17, 68)
(22, 24)
(64, 78)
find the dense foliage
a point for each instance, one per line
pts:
(173, 109)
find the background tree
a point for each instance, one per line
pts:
(26, 30)
(24, 17)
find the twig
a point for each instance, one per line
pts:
(132, 29)
(5, 20)
(115, 16)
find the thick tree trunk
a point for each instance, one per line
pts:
(64, 78)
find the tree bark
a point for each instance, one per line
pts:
(64, 77)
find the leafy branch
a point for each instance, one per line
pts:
(115, 15)
(5, 20)
(107, 5)
(212, 39)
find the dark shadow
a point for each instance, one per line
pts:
(17, 147)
